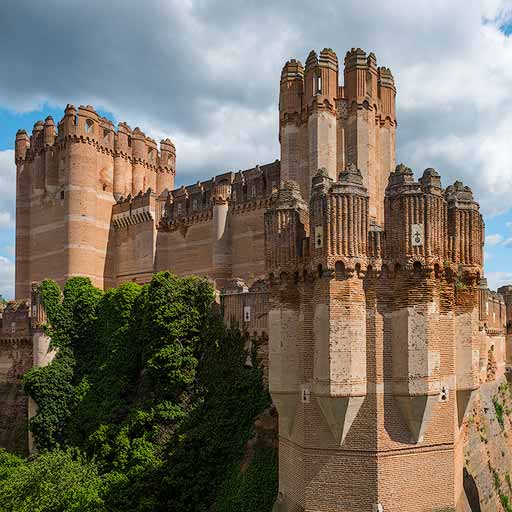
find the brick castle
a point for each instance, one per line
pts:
(366, 284)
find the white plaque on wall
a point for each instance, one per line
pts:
(417, 235)
(247, 313)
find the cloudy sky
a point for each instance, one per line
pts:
(206, 74)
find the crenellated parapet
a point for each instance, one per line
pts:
(136, 159)
(432, 227)
(241, 192)
(134, 210)
(286, 231)
(323, 124)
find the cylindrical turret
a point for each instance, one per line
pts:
(290, 106)
(387, 93)
(286, 222)
(122, 164)
(69, 121)
(320, 91)
(22, 145)
(415, 216)
(23, 195)
(465, 226)
(348, 216)
(167, 167)
(152, 164)
(319, 219)
(356, 68)
(139, 152)
(37, 140)
(49, 131)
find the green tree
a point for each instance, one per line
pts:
(56, 481)
(150, 385)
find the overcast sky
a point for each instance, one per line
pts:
(206, 74)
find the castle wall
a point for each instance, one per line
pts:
(16, 357)
(248, 243)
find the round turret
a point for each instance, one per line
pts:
(49, 131)
(22, 144)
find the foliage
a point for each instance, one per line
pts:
(254, 489)
(499, 411)
(54, 481)
(151, 391)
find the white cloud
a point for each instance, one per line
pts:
(7, 188)
(497, 279)
(208, 75)
(497, 239)
(6, 221)
(6, 277)
(494, 239)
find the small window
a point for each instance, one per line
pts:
(62, 194)
(13, 326)
(129, 141)
(318, 84)
(106, 133)
(253, 191)
(194, 204)
(151, 155)
(89, 126)
(179, 208)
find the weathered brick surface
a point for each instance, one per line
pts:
(362, 287)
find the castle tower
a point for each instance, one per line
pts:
(373, 341)
(68, 180)
(324, 125)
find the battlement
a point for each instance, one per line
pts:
(134, 210)
(85, 123)
(241, 189)
(323, 122)
(425, 226)
(15, 320)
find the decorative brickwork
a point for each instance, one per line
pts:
(362, 287)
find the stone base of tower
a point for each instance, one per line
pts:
(411, 480)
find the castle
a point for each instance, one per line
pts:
(366, 284)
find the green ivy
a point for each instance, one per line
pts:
(151, 390)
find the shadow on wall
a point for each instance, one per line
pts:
(471, 491)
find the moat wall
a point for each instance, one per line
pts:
(488, 449)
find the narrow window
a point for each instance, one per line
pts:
(318, 84)
(129, 141)
(89, 126)
(105, 135)
(151, 155)
(253, 191)
(62, 194)
(194, 204)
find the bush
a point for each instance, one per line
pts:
(150, 386)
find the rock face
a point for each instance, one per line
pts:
(488, 449)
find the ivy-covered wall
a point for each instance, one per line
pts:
(149, 403)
